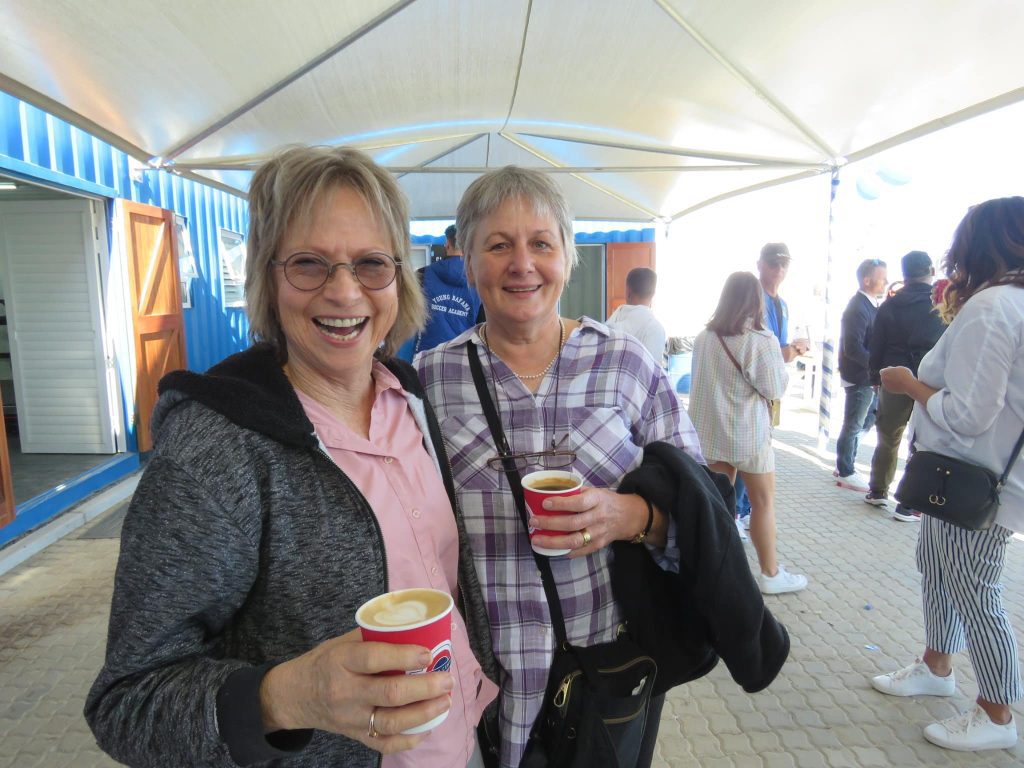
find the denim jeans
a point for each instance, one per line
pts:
(742, 499)
(859, 416)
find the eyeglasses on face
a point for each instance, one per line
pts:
(547, 459)
(309, 272)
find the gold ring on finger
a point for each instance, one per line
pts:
(372, 732)
(586, 537)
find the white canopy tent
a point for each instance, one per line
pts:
(644, 109)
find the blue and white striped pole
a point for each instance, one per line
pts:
(828, 350)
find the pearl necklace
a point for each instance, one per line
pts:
(547, 368)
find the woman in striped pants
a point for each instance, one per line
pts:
(969, 404)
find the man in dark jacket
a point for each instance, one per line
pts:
(906, 327)
(859, 414)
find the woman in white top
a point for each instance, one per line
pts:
(737, 369)
(969, 397)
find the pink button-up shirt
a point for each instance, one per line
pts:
(403, 487)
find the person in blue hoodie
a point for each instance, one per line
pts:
(454, 306)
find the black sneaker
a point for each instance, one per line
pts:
(905, 515)
(877, 499)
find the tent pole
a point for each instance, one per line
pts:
(828, 351)
(183, 146)
(536, 153)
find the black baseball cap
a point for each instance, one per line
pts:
(775, 252)
(916, 264)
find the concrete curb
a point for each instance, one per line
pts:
(21, 550)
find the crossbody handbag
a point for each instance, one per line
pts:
(953, 490)
(774, 406)
(597, 698)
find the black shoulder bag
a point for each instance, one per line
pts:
(595, 707)
(953, 490)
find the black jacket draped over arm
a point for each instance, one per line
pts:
(712, 608)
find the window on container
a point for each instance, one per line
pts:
(187, 271)
(419, 255)
(232, 268)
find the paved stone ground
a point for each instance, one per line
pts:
(53, 625)
(860, 616)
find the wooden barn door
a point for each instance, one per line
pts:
(623, 257)
(157, 319)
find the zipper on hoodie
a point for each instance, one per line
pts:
(380, 537)
(461, 600)
(373, 517)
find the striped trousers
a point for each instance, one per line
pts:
(963, 603)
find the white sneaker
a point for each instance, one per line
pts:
(745, 522)
(741, 531)
(854, 481)
(915, 680)
(783, 581)
(971, 731)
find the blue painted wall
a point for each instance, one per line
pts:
(39, 147)
(35, 146)
(645, 235)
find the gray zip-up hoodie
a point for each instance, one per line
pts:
(244, 546)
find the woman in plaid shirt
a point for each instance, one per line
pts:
(569, 393)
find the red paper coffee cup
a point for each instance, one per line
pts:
(538, 486)
(416, 616)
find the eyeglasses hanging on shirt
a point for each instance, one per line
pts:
(554, 458)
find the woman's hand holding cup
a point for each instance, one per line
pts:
(337, 685)
(590, 519)
(540, 488)
(417, 616)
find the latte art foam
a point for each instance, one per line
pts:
(403, 609)
(400, 614)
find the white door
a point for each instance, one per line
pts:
(50, 251)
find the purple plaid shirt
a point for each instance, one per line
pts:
(612, 400)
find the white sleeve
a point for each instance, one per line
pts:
(653, 337)
(977, 368)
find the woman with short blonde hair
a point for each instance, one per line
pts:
(286, 192)
(290, 484)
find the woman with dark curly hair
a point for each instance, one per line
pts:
(969, 395)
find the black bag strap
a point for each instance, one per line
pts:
(516, 483)
(742, 375)
(1010, 463)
